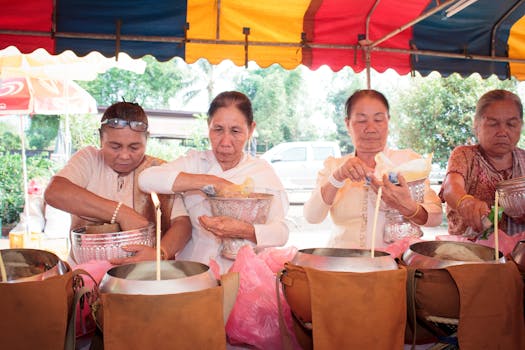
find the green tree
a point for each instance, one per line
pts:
(344, 84)
(153, 89)
(435, 114)
(275, 94)
(42, 131)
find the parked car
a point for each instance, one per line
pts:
(297, 163)
(437, 174)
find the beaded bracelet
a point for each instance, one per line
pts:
(115, 213)
(463, 197)
(415, 213)
(334, 182)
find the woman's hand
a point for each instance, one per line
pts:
(142, 253)
(396, 196)
(129, 219)
(228, 227)
(353, 169)
(472, 210)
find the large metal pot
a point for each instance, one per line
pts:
(440, 254)
(347, 260)
(518, 255)
(296, 285)
(140, 278)
(23, 265)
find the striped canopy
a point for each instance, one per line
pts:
(464, 36)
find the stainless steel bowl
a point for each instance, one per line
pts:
(106, 246)
(347, 260)
(23, 265)
(440, 254)
(140, 278)
(512, 196)
(253, 209)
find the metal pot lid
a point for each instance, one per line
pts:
(177, 276)
(440, 254)
(345, 260)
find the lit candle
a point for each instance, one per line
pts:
(374, 226)
(156, 202)
(496, 217)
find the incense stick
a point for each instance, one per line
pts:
(496, 218)
(156, 202)
(374, 226)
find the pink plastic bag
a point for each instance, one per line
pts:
(97, 269)
(254, 319)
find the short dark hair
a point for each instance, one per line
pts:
(232, 98)
(358, 94)
(126, 111)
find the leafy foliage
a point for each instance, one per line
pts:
(435, 114)
(42, 131)
(11, 182)
(153, 89)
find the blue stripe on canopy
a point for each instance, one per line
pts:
(138, 17)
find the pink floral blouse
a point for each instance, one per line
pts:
(480, 181)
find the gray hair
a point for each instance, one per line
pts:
(494, 96)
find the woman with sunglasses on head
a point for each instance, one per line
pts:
(100, 185)
(230, 126)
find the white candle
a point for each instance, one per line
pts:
(156, 202)
(374, 226)
(496, 217)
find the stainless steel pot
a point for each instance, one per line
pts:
(23, 265)
(140, 278)
(433, 254)
(347, 260)
(518, 255)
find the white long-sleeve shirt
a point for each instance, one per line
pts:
(203, 244)
(352, 210)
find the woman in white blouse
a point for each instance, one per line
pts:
(342, 186)
(230, 124)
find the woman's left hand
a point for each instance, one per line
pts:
(396, 196)
(142, 253)
(227, 227)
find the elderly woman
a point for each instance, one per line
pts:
(342, 186)
(99, 185)
(230, 126)
(474, 171)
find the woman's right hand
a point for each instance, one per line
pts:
(471, 211)
(353, 169)
(219, 184)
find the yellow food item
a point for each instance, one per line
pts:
(235, 191)
(413, 170)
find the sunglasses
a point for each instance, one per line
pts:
(117, 123)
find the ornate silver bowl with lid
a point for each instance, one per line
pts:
(512, 196)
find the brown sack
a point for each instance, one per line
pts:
(34, 315)
(193, 320)
(350, 310)
(491, 312)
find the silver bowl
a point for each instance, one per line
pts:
(512, 196)
(440, 254)
(347, 260)
(23, 265)
(140, 278)
(252, 209)
(106, 246)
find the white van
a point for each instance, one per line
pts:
(297, 163)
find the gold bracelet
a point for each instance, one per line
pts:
(415, 213)
(463, 197)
